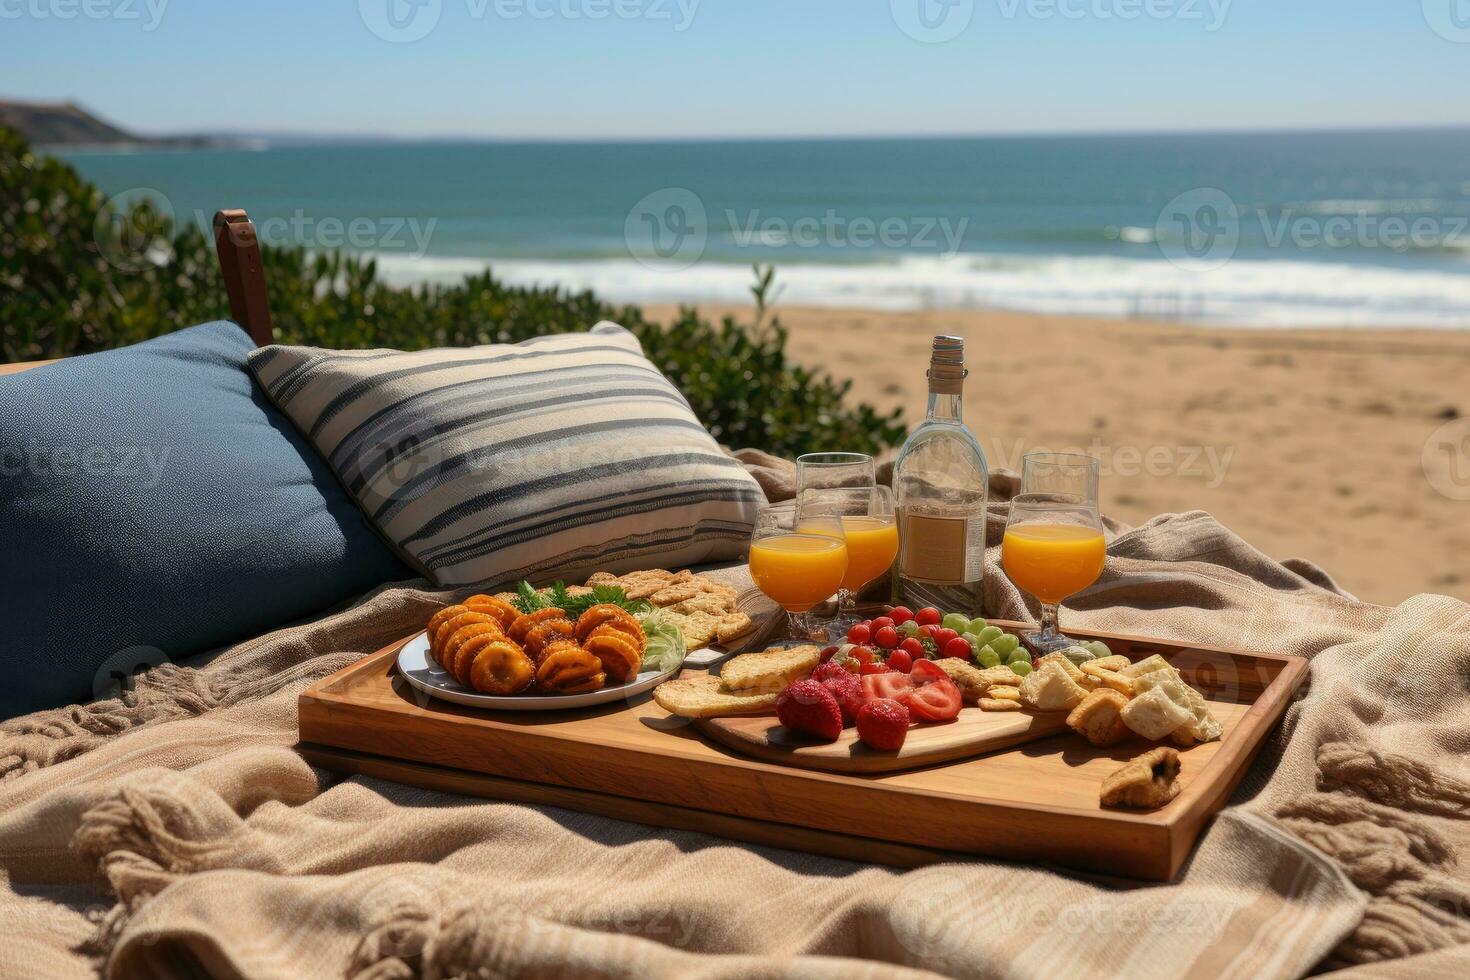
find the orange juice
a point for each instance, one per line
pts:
(1053, 561)
(872, 544)
(798, 570)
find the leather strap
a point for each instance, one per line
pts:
(239, 261)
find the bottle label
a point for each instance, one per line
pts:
(933, 548)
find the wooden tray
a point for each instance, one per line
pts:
(1036, 802)
(974, 732)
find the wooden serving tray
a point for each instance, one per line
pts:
(1036, 802)
(972, 733)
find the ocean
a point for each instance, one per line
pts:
(1260, 229)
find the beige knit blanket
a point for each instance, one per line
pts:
(175, 833)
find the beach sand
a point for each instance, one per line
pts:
(1309, 444)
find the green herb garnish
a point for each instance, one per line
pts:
(528, 600)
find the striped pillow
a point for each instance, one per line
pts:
(483, 465)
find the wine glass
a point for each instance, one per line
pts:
(821, 471)
(871, 532)
(797, 566)
(1054, 545)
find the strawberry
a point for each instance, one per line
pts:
(808, 707)
(824, 671)
(883, 724)
(848, 690)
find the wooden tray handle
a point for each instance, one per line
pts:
(239, 261)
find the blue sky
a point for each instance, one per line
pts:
(700, 68)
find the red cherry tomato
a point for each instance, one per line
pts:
(886, 637)
(890, 685)
(925, 671)
(901, 614)
(900, 660)
(882, 621)
(931, 630)
(958, 647)
(859, 633)
(862, 655)
(938, 700)
(944, 636)
(912, 647)
(876, 667)
(928, 616)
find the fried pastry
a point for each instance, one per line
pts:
(608, 614)
(1153, 715)
(1145, 783)
(619, 655)
(538, 637)
(497, 666)
(522, 624)
(440, 618)
(568, 669)
(440, 637)
(495, 606)
(1121, 683)
(1099, 718)
(455, 644)
(1049, 688)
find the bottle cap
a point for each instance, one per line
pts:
(947, 365)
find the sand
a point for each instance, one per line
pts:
(1350, 448)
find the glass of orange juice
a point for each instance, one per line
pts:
(1054, 546)
(798, 565)
(871, 532)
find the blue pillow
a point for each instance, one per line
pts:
(155, 505)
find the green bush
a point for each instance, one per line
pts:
(72, 282)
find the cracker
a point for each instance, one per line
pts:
(1153, 715)
(602, 578)
(971, 681)
(999, 693)
(699, 628)
(733, 627)
(1147, 665)
(1099, 718)
(1051, 689)
(1115, 662)
(998, 704)
(702, 696)
(674, 594)
(1110, 679)
(769, 670)
(1063, 662)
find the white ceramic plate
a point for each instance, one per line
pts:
(420, 670)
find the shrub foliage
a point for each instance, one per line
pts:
(77, 277)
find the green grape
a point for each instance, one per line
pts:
(1098, 648)
(976, 625)
(910, 628)
(1078, 655)
(1021, 667)
(990, 633)
(1006, 644)
(958, 622)
(974, 642)
(1019, 656)
(988, 657)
